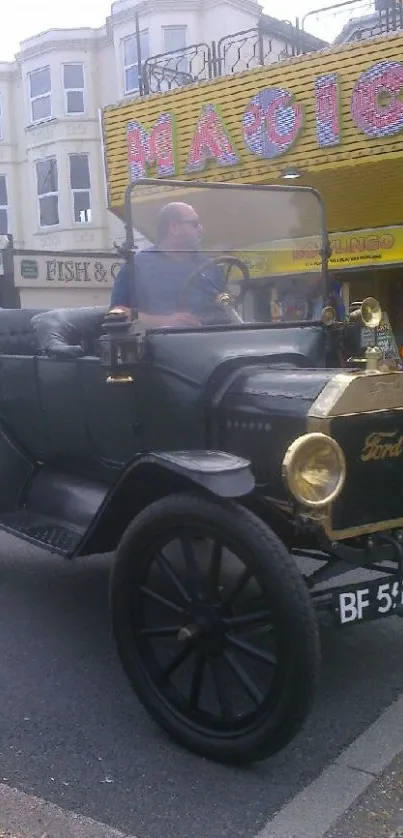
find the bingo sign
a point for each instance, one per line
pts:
(271, 124)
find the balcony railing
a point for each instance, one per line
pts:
(169, 70)
(344, 21)
(354, 20)
(231, 54)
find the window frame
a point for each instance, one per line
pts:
(1, 117)
(47, 194)
(33, 99)
(74, 190)
(67, 90)
(172, 28)
(6, 207)
(178, 27)
(142, 33)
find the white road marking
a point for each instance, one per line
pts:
(31, 817)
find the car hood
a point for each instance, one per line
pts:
(260, 411)
(274, 389)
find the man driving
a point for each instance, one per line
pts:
(162, 293)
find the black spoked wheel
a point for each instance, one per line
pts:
(215, 628)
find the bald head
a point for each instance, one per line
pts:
(178, 227)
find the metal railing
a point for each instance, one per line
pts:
(169, 70)
(353, 20)
(232, 54)
(344, 21)
(252, 48)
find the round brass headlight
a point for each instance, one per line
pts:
(314, 469)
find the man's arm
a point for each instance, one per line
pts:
(121, 291)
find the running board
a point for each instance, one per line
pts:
(44, 532)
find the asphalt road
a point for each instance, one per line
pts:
(73, 733)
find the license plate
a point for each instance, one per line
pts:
(360, 603)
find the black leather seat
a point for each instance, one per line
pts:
(69, 332)
(17, 336)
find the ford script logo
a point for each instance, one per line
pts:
(382, 446)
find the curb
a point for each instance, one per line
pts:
(312, 812)
(23, 816)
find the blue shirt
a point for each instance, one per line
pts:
(161, 281)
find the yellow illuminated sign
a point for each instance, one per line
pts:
(356, 249)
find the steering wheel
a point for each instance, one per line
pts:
(224, 302)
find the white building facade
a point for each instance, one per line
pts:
(52, 189)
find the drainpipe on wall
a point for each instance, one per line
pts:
(9, 294)
(139, 61)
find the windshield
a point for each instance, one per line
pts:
(220, 255)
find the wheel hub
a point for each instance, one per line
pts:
(189, 632)
(204, 627)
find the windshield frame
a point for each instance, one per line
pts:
(130, 248)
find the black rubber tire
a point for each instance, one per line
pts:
(289, 601)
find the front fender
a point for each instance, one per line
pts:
(225, 475)
(156, 475)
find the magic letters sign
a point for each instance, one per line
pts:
(272, 123)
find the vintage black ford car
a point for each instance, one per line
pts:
(215, 459)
